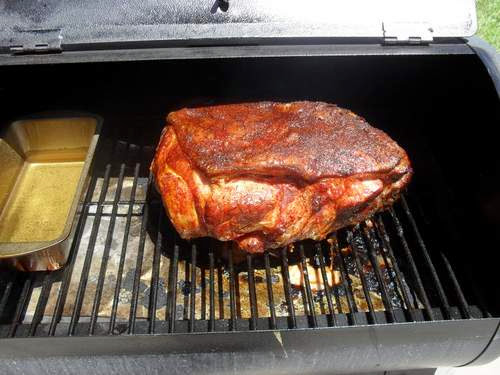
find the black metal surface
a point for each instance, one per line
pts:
(88, 257)
(270, 51)
(361, 274)
(307, 284)
(107, 247)
(367, 245)
(287, 287)
(366, 253)
(319, 254)
(428, 344)
(171, 304)
(393, 237)
(409, 259)
(380, 279)
(138, 268)
(389, 255)
(270, 294)
(251, 290)
(123, 251)
(192, 291)
(346, 281)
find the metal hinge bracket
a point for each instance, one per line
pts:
(402, 33)
(38, 41)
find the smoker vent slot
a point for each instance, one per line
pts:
(130, 273)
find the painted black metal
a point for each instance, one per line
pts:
(361, 275)
(88, 256)
(288, 289)
(172, 307)
(378, 274)
(388, 254)
(490, 58)
(252, 293)
(328, 293)
(107, 247)
(270, 295)
(192, 289)
(346, 281)
(307, 285)
(123, 251)
(63, 291)
(422, 294)
(294, 351)
(131, 53)
(138, 268)
(424, 343)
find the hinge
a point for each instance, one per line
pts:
(37, 41)
(402, 33)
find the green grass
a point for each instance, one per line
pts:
(488, 16)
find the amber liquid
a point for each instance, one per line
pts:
(38, 206)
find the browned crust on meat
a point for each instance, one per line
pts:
(307, 140)
(272, 205)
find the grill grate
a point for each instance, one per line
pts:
(387, 273)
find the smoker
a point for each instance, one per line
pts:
(417, 283)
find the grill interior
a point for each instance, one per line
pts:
(204, 289)
(130, 273)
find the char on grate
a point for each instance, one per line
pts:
(129, 272)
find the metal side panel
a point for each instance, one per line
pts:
(490, 58)
(491, 352)
(342, 350)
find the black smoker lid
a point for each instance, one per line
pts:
(88, 23)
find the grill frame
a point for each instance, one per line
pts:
(124, 157)
(451, 341)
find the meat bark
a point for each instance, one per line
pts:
(268, 174)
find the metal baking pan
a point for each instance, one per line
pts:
(45, 163)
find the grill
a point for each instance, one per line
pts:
(381, 281)
(412, 287)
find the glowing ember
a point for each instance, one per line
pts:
(315, 277)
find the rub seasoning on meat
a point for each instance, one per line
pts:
(267, 174)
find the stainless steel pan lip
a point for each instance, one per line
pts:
(52, 254)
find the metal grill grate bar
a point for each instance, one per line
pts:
(307, 283)
(232, 289)
(119, 276)
(88, 257)
(288, 289)
(372, 255)
(270, 294)
(388, 253)
(155, 275)
(138, 267)
(354, 249)
(332, 319)
(411, 262)
(42, 302)
(171, 304)
(63, 291)
(5, 296)
(105, 257)
(375, 259)
(22, 305)
(346, 281)
(192, 289)
(428, 261)
(212, 289)
(463, 305)
(253, 298)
